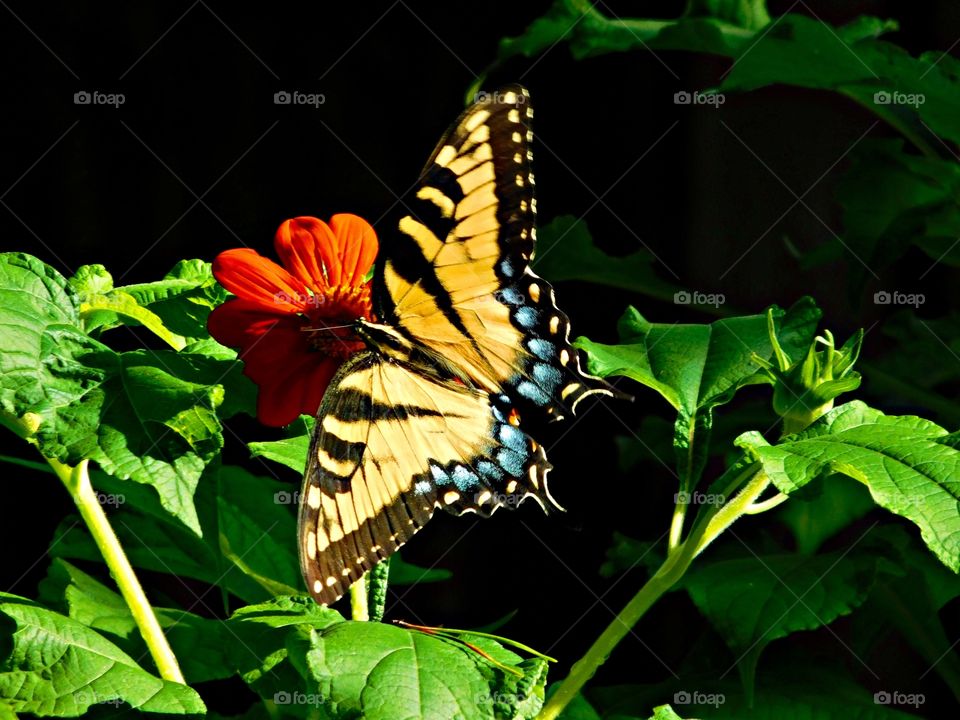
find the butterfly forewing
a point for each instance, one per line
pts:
(391, 445)
(457, 277)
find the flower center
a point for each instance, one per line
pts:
(329, 320)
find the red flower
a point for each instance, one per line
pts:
(284, 319)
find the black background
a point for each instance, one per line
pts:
(199, 159)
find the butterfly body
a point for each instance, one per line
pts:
(467, 338)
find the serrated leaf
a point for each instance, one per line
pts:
(698, 367)
(384, 672)
(565, 251)
(59, 667)
(183, 299)
(901, 459)
(200, 644)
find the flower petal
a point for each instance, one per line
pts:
(297, 390)
(358, 246)
(259, 280)
(308, 249)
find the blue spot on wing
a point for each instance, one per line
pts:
(510, 296)
(543, 349)
(513, 438)
(506, 267)
(465, 479)
(548, 376)
(533, 392)
(439, 476)
(526, 316)
(489, 470)
(422, 487)
(511, 461)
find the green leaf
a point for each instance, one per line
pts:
(905, 461)
(381, 671)
(59, 667)
(123, 410)
(247, 516)
(404, 573)
(822, 509)
(807, 53)
(698, 367)
(270, 642)
(750, 14)
(664, 712)
(258, 531)
(292, 450)
(200, 644)
(565, 251)
(910, 604)
(183, 299)
(40, 373)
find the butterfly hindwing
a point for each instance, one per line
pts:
(457, 278)
(392, 444)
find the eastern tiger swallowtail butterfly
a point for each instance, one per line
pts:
(466, 336)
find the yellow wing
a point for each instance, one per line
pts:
(392, 444)
(457, 277)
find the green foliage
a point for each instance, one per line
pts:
(910, 465)
(146, 429)
(59, 666)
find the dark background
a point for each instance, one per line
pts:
(199, 159)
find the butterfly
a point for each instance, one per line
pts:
(466, 337)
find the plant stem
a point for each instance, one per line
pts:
(377, 580)
(359, 609)
(77, 481)
(704, 531)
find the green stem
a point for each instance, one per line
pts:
(704, 531)
(377, 591)
(359, 609)
(77, 481)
